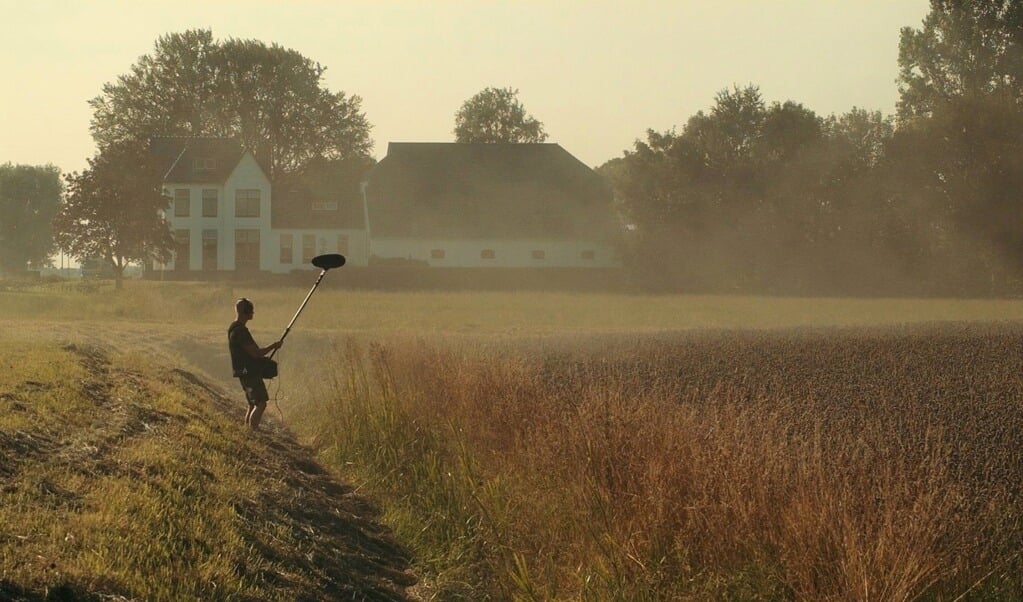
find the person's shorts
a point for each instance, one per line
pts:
(255, 390)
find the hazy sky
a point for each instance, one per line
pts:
(598, 74)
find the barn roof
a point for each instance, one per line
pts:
(326, 194)
(455, 190)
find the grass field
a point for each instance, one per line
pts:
(124, 480)
(484, 313)
(594, 447)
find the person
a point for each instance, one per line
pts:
(245, 354)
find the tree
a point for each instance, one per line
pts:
(961, 172)
(965, 49)
(29, 196)
(692, 196)
(857, 144)
(737, 118)
(496, 115)
(112, 210)
(271, 98)
(863, 135)
(746, 196)
(282, 111)
(788, 129)
(958, 152)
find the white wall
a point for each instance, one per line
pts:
(507, 254)
(248, 175)
(326, 242)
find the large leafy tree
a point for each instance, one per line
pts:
(958, 152)
(113, 210)
(271, 98)
(496, 115)
(29, 196)
(960, 172)
(965, 49)
(276, 99)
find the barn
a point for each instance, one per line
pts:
(457, 205)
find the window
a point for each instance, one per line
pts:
(209, 250)
(437, 254)
(246, 203)
(287, 246)
(587, 255)
(182, 200)
(539, 254)
(308, 247)
(342, 244)
(204, 164)
(324, 205)
(209, 202)
(182, 249)
(246, 250)
(487, 254)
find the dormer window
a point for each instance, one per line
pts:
(324, 205)
(204, 164)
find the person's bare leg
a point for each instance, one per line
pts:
(248, 415)
(255, 415)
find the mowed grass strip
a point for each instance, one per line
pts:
(197, 305)
(121, 478)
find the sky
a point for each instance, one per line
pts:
(597, 73)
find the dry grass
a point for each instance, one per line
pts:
(121, 479)
(592, 447)
(838, 465)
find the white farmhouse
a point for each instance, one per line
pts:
(226, 216)
(442, 205)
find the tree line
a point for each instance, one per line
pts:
(761, 197)
(747, 196)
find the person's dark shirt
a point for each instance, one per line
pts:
(238, 337)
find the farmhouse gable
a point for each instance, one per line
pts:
(196, 160)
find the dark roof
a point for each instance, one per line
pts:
(320, 182)
(454, 190)
(188, 160)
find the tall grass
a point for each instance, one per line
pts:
(842, 465)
